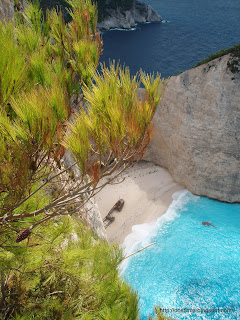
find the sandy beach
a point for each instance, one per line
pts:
(147, 190)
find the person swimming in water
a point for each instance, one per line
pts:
(206, 223)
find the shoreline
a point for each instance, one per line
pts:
(133, 28)
(139, 12)
(147, 190)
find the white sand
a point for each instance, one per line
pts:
(147, 190)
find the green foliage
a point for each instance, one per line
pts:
(71, 275)
(127, 4)
(12, 66)
(104, 6)
(117, 120)
(60, 270)
(53, 61)
(234, 51)
(159, 315)
(42, 63)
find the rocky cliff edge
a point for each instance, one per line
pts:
(140, 13)
(6, 10)
(198, 129)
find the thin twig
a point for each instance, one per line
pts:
(46, 182)
(151, 244)
(55, 292)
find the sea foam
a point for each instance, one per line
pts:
(143, 233)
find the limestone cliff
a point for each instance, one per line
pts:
(6, 9)
(112, 14)
(139, 13)
(92, 213)
(198, 129)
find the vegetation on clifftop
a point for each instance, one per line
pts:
(65, 273)
(103, 6)
(233, 64)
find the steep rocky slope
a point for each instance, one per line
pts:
(6, 9)
(112, 14)
(198, 129)
(126, 19)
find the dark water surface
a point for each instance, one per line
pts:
(196, 29)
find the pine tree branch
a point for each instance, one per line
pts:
(43, 185)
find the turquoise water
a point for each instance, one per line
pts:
(192, 266)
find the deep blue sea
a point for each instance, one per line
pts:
(193, 270)
(195, 30)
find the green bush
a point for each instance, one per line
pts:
(66, 273)
(51, 265)
(235, 52)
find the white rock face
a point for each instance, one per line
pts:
(140, 13)
(198, 130)
(6, 9)
(95, 220)
(93, 214)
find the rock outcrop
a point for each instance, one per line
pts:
(115, 18)
(198, 129)
(6, 10)
(92, 213)
(140, 13)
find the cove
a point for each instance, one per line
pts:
(193, 271)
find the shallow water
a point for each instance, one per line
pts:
(196, 29)
(192, 266)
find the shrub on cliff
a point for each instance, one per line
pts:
(67, 273)
(233, 63)
(46, 66)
